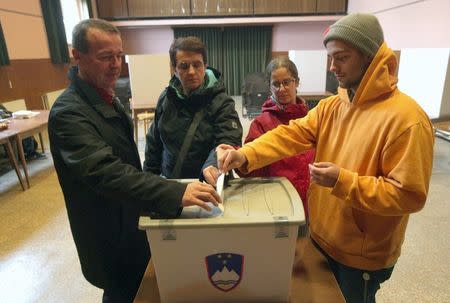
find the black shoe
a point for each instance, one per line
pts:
(35, 156)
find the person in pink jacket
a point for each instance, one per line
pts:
(282, 106)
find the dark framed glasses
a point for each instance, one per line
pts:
(184, 66)
(277, 85)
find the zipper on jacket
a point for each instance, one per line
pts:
(366, 278)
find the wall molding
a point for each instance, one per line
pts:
(20, 13)
(397, 7)
(224, 21)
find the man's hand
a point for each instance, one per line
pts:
(324, 173)
(198, 194)
(228, 158)
(211, 174)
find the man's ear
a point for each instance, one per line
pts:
(76, 54)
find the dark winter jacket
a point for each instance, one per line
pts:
(294, 168)
(174, 114)
(100, 174)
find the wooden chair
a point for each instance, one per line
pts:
(50, 97)
(15, 105)
(45, 104)
(5, 141)
(146, 118)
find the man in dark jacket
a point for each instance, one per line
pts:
(194, 107)
(99, 170)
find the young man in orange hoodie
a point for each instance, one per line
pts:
(374, 153)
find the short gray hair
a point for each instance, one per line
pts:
(79, 33)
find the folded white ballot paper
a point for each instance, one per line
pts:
(220, 190)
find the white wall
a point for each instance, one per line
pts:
(312, 69)
(285, 36)
(149, 75)
(147, 40)
(410, 23)
(300, 35)
(425, 80)
(421, 31)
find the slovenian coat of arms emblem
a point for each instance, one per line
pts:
(225, 270)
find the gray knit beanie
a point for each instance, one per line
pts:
(363, 31)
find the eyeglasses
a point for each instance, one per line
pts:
(277, 85)
(185, 66)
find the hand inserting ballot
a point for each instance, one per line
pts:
(199, 194)
(229, 158)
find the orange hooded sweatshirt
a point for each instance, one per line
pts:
(383, 142)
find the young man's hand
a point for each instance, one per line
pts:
(324, 173)
(229, 158)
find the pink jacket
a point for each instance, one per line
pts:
(294, 168)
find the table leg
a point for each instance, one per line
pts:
(22, 157)
(42, 142)
(12, 159)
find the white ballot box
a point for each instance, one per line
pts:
(244, 253)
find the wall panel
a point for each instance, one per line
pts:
(158, 8)
(270, 7)
(30, 78)
(221, 7)
(108, 9)
(331, 6)
(129, 9)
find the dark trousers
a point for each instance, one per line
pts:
(123, 292)
(115, 296)
(123, 289)
(357, 285)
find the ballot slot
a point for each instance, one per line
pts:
(253, 197)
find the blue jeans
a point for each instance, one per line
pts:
(357, 285)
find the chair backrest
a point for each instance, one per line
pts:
(15, 105)
(50, 97)
(254, 92)
(44, 99)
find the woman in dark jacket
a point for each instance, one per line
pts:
(195, 96)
